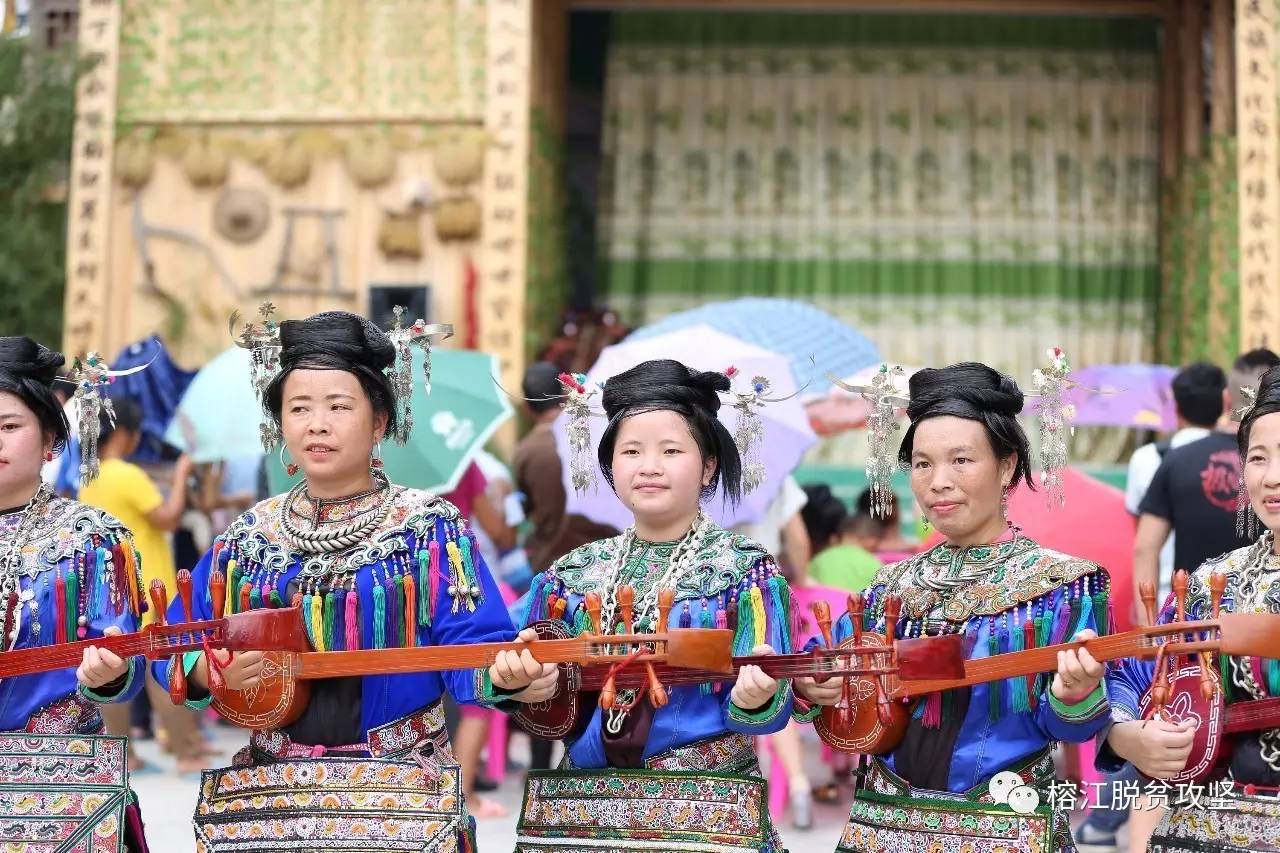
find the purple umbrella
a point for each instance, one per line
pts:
(1129, 395)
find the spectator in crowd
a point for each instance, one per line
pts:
(850, 563)
(893, 547)
(124, 490)
(1193, 390)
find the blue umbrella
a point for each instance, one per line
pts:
(219, 416)
(812, 340)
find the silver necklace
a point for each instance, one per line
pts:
(682, 559)
(10, 568)
(330, 539)
(1251, 598)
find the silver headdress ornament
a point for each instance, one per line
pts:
(1246, 518)
(884, 397)
(1055, 422)
(422, 335)
(263, 342)
(577, 407)
(747, 436)
(90, 377)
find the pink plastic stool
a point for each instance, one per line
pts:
(779, 785)
(496, 764)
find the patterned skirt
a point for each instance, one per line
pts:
(400, 791)
(891, 816)
(64, 786)
(707, 797)
(1238, 823)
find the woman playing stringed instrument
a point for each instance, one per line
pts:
(374, 566)
(1242, 747)
(946, 783)
(676, 768)
(68, 572)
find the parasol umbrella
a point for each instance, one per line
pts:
(812, 340)
(786, 428)
(1139, 396)
(219, 415)
(464, 409)
(839, 410)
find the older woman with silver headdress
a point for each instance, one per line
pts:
(374, 565)
(947, 784)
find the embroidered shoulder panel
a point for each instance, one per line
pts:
(65, 528)
(1248, 589)
(257, 535)
(724, 561)
(999, 577)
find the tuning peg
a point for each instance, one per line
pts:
(657, 693)
(856, 605)
(892, 610)
(557, 612)
(1160, 684)
(822, 614)
(593, 611)
(608, 693)
(626, 606)
(1180, 593)
(160, 601)
(666, 600)
(178, 680)
(218, 592)
(1217, 588)
(1147, 592)
(184, 594)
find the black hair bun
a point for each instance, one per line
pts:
(984, 388)
(332, 335)
(664, 383)
(21, 356)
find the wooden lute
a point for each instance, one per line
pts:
(581, 691)
(1190, 688)
(238, 632)
(873, 714)
(283, 690)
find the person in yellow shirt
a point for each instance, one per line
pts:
(124, 490)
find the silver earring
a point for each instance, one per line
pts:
(1246, 519)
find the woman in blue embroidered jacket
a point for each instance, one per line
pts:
(67, 571)
(663, 452)
(1246, 815)
(966, 451)
(374, 565)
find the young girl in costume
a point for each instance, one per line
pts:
(67, 572)
(683, 776)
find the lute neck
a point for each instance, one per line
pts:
(315, 665)
(1137, 643)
